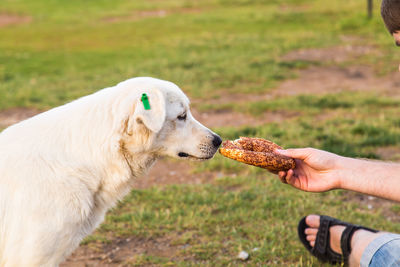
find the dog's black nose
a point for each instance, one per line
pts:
(216, 140)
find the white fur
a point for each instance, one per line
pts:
(61, 170)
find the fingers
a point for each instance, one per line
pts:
(289, 175)
(286, 177)
(297, 153)
(282, 176)
(290, 178)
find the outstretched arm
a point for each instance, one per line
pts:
(319, 171)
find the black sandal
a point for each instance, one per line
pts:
(322, 249)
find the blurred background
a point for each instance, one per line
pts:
(298, 72)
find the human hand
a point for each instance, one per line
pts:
(315, 171)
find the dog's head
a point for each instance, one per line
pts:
(168, 127)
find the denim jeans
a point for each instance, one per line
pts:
(383, 251)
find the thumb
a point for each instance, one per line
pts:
(297, 153)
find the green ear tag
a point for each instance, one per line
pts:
(145, 101)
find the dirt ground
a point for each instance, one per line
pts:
(313, 80)
(10, 19)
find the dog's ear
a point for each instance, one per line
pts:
(153, 118)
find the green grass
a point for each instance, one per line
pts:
(211, 48)
(70, 50)
(310, 104)
(217, 221)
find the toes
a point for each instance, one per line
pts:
(312, 221)
(311, 231)
(311, 237)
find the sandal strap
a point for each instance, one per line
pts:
(322, 248)
(345, 240)
(322, 239)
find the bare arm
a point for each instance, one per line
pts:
(319, 171)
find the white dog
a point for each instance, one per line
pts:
(61, 170)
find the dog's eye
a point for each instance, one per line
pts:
(182, 117)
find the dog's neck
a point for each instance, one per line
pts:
(122, 174)
(138, 163)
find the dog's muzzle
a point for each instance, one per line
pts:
(210, 150)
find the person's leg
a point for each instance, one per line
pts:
(382, 251)
(360, 240)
